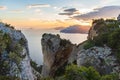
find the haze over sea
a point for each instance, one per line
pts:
(34, 41)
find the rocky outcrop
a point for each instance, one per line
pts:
(118, 18)
(17, 54)
(56, 52)
(100, 58)
(92, 32)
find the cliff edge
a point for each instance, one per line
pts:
(14, 54)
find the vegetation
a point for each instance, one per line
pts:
(81, 73)
(63, 42)
(15, 58)
(108, 34)
(73, 72)
(89, 44)
(8, 25)
(9, 52)
(22, 41)
(35, 66)
(8, 78)
(5, 41)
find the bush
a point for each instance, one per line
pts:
(114, 39)
(35, 66)
(100, 40)
(89, 44)
(15, 58)
(110, 77)
(8, 78)
(22, 41)
(81, 73)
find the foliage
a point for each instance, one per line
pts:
(110, 77)
(18, 48)
(4, 67)
(5, 41)
(48, 78)
(61, 70)
(8, 25)
(81, 73)
(63, 42)
(114, 39)
(98, 21)
(14, 57)
(35, 66)
(101, 39)
(22, 41)
(89, 44)
(73, 72)
(8, 78)
(113, 42)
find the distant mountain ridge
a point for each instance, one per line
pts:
(76, 29)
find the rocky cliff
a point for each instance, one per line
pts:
(103, 55)
(14, 54)
(57, 51)
(100, 58)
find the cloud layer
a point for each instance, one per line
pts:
(38, 5)
(104, 12)
(69, 12)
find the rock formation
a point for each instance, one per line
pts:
(118, 18)
(100, 58)
(16, 54)
(56, 52)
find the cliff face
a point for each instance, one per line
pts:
(15, 54)
(56, 52)
(104, 58)
(100, 58)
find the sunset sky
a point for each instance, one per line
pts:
(56, 13)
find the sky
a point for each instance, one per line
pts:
(56, 13)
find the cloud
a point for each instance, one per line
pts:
(3, 7)
(69, 12)
(16, 11)
(103, 12)
(38, 5)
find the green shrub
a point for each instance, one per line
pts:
(22, 41)
(110, 77)
(15, 58)
(89, 44)
(35, 66)
(100, 40)
(8, 78)
(81, 73)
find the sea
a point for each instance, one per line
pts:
(34, 41)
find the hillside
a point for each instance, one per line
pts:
(76, 29)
